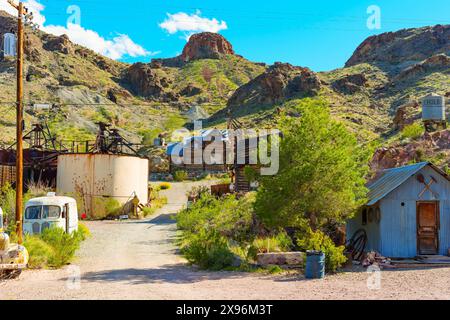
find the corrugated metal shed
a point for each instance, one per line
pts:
(390, 180)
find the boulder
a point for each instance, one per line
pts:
(350, 84)
(144, 81)
(36, 73)
(190, 91)
(60, 44)
(281, 259)
(405, 115)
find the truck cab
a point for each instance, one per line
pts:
(50, 211)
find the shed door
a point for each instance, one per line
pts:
(427, 228)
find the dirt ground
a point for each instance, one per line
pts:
(138, 260)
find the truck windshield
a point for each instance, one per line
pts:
(42, 212)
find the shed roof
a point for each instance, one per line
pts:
(393, 178)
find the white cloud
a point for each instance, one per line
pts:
(116, 48)
(191, 23)
(5, 6)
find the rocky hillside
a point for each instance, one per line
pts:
(376, 94)
(143, 99)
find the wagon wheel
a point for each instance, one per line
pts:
(357, 244)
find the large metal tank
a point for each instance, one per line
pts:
(92, 178)
(433, 108)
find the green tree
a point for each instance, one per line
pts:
(322, 172)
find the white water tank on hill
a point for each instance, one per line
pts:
(433, 108)
(9, 45)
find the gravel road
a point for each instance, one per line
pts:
(138, 260)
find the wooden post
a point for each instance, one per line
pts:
(19, 125)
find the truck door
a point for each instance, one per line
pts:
(67, 217)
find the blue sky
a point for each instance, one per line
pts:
(321, 35)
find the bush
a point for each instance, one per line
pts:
(37, 189)
(180, 176)
(64, 246)
(83, 232)
(40, 252)
(106, 207)
(334, 256)
(412, 131)
(54, 248)
(278, 243)
(208, 250)
(213, 228)
(8, 204)
(164, 186)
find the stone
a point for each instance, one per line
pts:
(280, 259)
(190, 91)
(60, 44)
(144, 81)
(350, 84)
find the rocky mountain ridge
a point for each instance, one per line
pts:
(376, 94)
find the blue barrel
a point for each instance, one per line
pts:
(315, 265)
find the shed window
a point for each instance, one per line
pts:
(364, 217)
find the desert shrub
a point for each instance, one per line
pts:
(37, 189)
(106, 207)
(277, 243)
(54, 248)
(40, 252)
(212, 227)
(334, 256)
(148, 211)
(197, 192)
(64, 246)
(8, 204)
(208, 250)
(412, 131)
(83, 232)
(164, 186)
(180, 176)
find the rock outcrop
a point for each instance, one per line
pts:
(144, 81)
(429, 145)
(403, 47)
(60, 44)
(434, 63)
(280, 82)
(206, 45)
(350, 84)
(405, 115)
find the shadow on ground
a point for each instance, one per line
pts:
(163, 219)
(178, 274)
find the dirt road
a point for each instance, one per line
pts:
(138, 260)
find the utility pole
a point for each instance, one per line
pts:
(21, 10)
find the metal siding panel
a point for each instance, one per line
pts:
(444, 233)
(398, 229)
(372, 230)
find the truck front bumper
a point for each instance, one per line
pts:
(12, 266)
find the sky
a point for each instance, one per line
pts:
(321, 35)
